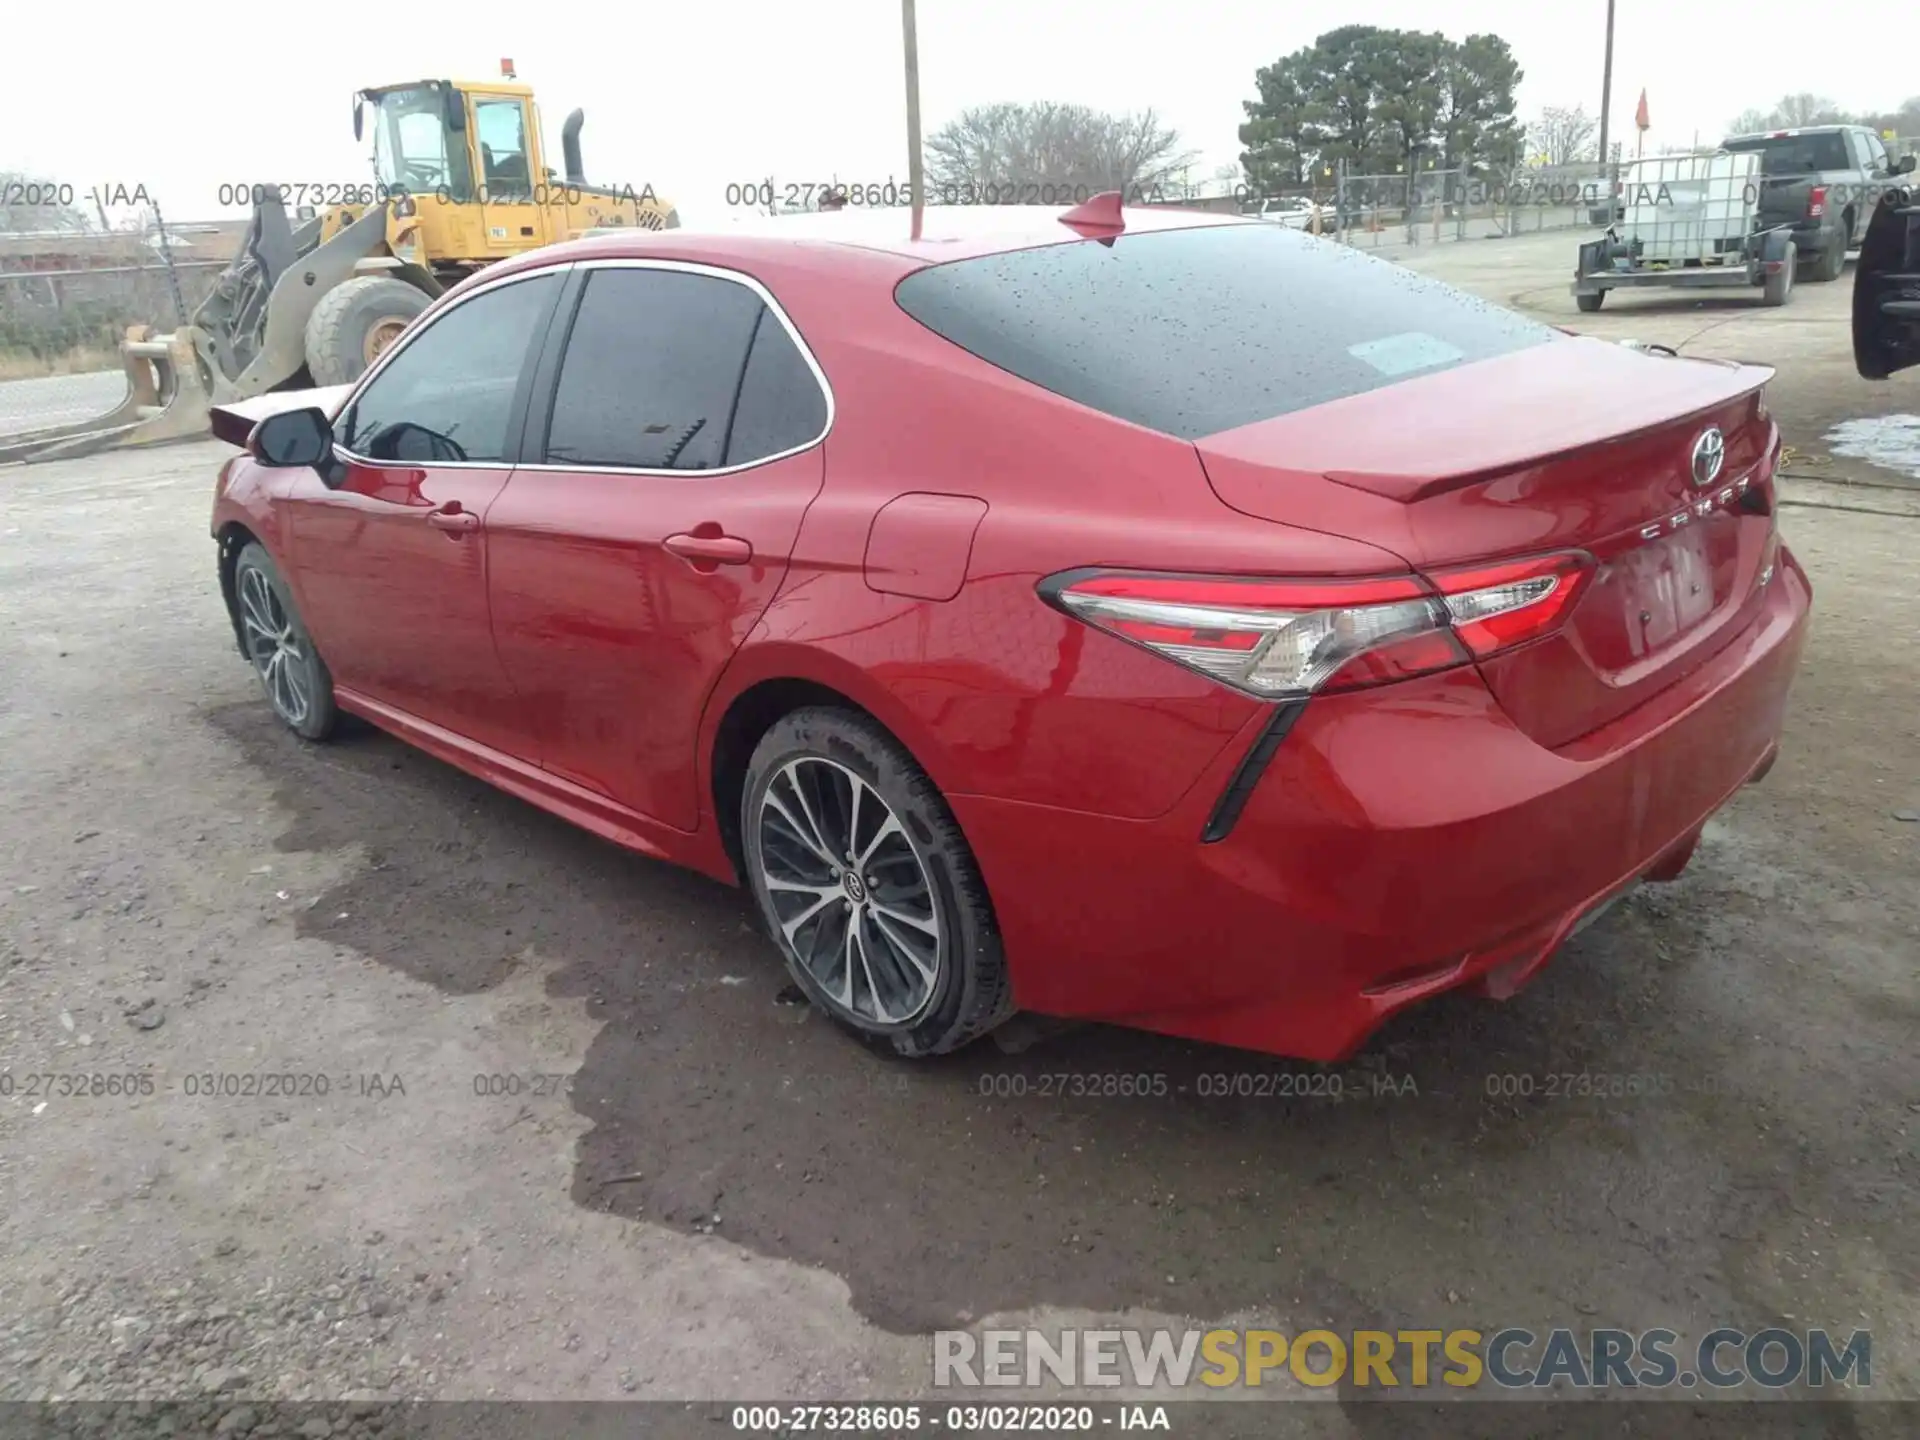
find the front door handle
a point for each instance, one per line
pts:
(704, 550)
(454, 518)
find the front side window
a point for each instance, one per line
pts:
(652, 371)
(447, 396)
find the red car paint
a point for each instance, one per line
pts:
(583, 645)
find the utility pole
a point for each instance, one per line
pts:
(914, 175)
(1606, 90)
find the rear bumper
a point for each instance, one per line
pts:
(1400, 842)
(1813, 237)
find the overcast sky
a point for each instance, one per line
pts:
(689, 96)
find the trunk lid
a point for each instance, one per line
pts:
(1573, 445)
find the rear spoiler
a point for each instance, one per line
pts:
(1693, 388)
(234, 422)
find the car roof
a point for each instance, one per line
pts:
(948, 232)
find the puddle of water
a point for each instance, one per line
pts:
(1892, 441)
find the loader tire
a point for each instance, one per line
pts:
(354, 322)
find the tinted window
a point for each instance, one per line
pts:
(1192, 332)
(1877, 158)
(449, 394)
(1797, 154)
(651, 371)
(781, 404)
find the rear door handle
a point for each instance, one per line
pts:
(712, 549)
(454, 518)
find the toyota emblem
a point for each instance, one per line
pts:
(1709, 454)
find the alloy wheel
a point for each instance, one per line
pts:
(278, 653)
(850, 893)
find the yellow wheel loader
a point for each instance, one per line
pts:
(460, 182)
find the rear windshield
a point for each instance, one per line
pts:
(1797, 154)
(1191, 332)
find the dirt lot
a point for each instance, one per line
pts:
(575, 1142)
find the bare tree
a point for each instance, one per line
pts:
(1805, 109)
(1015, 149)
(1790, 112)
(1564, 136)
(29, 202)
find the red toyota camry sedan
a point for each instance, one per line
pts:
(1152, 617)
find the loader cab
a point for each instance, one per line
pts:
(467, 155)
(419, 140)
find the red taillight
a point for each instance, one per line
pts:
(1816, 202)
(1495, 607)
(1282, 639)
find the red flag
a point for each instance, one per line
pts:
(1640, 115)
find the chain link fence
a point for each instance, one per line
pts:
(1432, 205)
(67, 300)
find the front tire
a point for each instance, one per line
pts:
(1590, 301)
(867, 887)
(295, 679)
(355, 322)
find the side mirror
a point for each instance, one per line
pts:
(456, 104)
(293, 438)
(359, 108)
(1904, 165)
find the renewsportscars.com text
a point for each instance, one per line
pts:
(1511, 1358)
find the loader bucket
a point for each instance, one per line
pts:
(167, 399)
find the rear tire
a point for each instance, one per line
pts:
(1833, 259)
(354, 322)
(901, 946)
(287, 663)
(1590, 303)
(1778, 286)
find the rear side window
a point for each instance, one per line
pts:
(1798, 154)
(782, 406)
(651, 371)
(1191, 332)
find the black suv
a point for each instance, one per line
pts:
(1822, 184)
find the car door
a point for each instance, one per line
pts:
(673, 441)
(392, 563)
